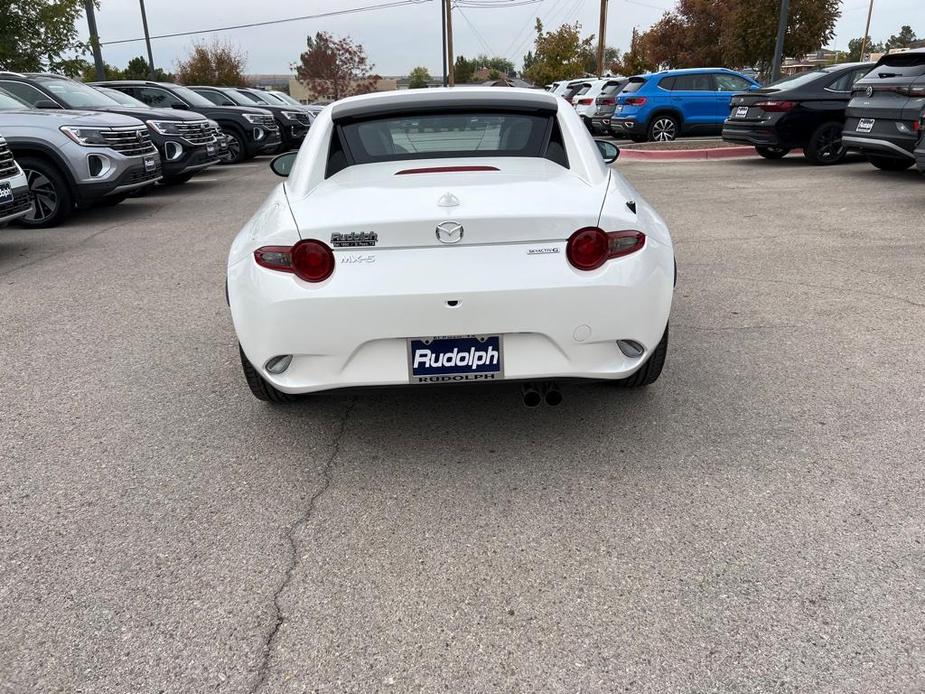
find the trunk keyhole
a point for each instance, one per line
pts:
(452, 303)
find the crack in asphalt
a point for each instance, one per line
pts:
(327, 477)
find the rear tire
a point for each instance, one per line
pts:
(259, 387)
(772, 152)
(889, 163)
(663, 128)
(825, 145)
(50, 191)
(652, 369)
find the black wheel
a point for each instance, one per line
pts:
(772, 152)
(259, 387)
(178, 179)
(652, 369)
(51, 192)
(236, 149)
(663, 128)
(825, 145)
(889, 163)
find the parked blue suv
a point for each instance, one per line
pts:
(663, 105)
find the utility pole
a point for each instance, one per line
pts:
(443, 24)
(781, 32)
(450, 69)
(870, 11)
(95, 41)
(601, 39)
(144, 23)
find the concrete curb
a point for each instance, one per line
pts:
(683, 154)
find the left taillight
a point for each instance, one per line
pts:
(591, 247)
(310, 260)
(776, 106)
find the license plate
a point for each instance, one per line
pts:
(210, 149)
(865, 125)
(742, 112)
(6, 194)
(455, 359)
(149, 164)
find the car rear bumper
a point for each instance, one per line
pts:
(555, 322)
(885, 138)
(759, 136)
(627, 125)
(132, 178)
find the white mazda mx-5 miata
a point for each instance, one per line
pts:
(450, 235)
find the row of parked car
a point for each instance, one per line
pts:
(876, 109)
(66, 145)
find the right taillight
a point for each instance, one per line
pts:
(309, 259)
(585, 102)
(776, 106)
(591, 247)
(636, 101)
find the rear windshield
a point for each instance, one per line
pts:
(611, 89)
(443, 135)
(798, 80)
(899, 65)
(634, 85)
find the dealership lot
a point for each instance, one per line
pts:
(752, 522)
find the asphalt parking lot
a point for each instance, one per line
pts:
(754, 522)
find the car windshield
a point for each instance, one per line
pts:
(237, 97)
(429, 135)
(798, 80)
(75, 94)
(253, 98)
(122, 97)
(8, 102)
(190, 97)
(285, 98)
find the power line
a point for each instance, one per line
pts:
(333, 13)
(477, 33)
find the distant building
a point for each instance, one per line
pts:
(278, 82)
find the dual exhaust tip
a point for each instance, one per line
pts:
(536, 393)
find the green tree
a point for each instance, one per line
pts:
(557, 54)
(589, 58)
(218, 63)
(463, 70)
(854, 49)
(419, 78)
(41, 35)
(335, 68)
(137, 69)
(88, 72)
(903, 39)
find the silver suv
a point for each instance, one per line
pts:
(15, 199)
(76, 159)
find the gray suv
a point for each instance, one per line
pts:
(76, 159)
(15, 199)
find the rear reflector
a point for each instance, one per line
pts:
(445, 169)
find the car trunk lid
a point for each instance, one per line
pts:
(495, 200)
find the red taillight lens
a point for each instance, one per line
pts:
(607, 101)
(636, 101)
(776, 106)
(585, 102)
(589, 248)
(309, 260)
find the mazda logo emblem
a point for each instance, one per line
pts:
(449, 232)
(870, 91)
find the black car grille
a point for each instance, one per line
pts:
(196, 132)
(129, 141)
(8, 167)
(21, 202)
(269, 122)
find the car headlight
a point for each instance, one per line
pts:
(163, 127)
(253, 118)
(295, 115)
(86, 137)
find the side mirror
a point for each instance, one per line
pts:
(282, 164)
(609, 151)
(179, 106)
(47, 103)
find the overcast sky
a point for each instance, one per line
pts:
(399, 38)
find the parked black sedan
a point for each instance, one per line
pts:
(805, 110)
